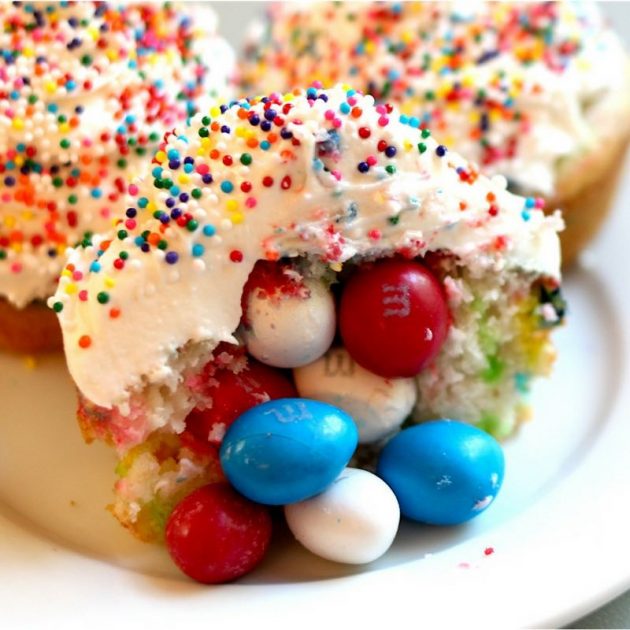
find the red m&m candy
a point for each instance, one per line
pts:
(233, 394)
(215, 535)
(393, 317)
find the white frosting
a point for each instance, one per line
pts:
(428, 203)
(125, 72)
(568, 102)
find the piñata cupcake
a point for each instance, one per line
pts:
(285, 240)
(538, 92)
(88, 91)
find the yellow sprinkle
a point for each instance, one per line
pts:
(160, 156)
(17, 123)
(28, 52)
(237, 217)
(19, 160)
(183, 178)
(50, 86)
(215, 111)
(110, 283)
(16, 247)
(407, 37)
(151, 206)
(64, 127)
(93, 33)
(66, 273)
(112, 55)
(71, 288)
(9, 221)
(240, 132)
(407, 145)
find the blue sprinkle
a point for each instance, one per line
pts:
(209, 230)
(198, 250)
(171, 258)
(227, 186)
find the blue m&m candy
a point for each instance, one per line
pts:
(442, 472)
(287, 450)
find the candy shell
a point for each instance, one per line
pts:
(287, 450)
(354, 521)
(442, 472)
(290, 331)
(378, 405)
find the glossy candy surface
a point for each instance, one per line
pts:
(353, 521)
(215, 535)
(442, 472)
(393, 317)
(233, 394)
(287, 322)
(378, 405)
(287, 450)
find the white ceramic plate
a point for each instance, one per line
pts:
(554, 546)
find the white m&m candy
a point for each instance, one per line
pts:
(378, 405)
(354, 521)
(290, 330)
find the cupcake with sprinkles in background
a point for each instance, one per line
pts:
(228, 260)
(538, 92)
(88, 90)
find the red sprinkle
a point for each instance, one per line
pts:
(236, 256)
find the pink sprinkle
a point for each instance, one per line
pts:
(371, 160)
(329, 114)
(352, 101)
(383, 121)
(317, 84)
(130, 224)
(381, 109)
(336, 123)
(336, 175)
(83, 295)
(77, 275)
(374, 235)
(488, 551)
(6, 197)
(16, 267)
(203, 169)
(133, 189)
(250, 202)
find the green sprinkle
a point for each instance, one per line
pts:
(425, 133)
(73, 199)
(196, 193)
(246, 159)
(422, 147)
(162, 244)
(57, 307)
(390, 168)
(103, 297)
(122, 234)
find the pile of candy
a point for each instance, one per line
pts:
(289, 445)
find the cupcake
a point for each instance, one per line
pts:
(241, 270)
(538, 92)
(88, 91)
